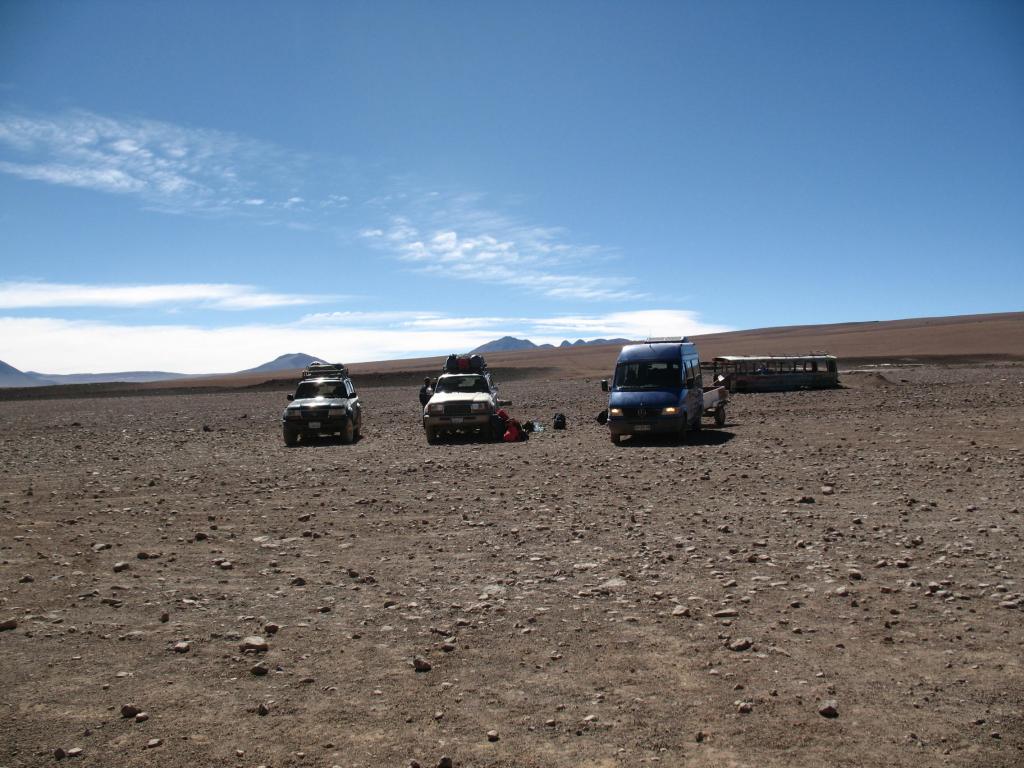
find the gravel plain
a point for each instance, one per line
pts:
(832, 579)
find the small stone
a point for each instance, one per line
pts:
(420, 664)
(7, 624)
(226, 565)
(829, 708)
(741, 644)
(121, 566)
(26, 579)
(165, 617)
(744, 707)
(445, 762)
(153, 743)
(493, 735)
(262, 710)
(700, 737)
(680, 610)
(726, 613)
(254, 644)
(298, 581)
(59, 754)
(854, 574)
(260, 669)
(271, 628)
(182, 647)
(142, 717)
(75, 751)
(130, 710)
(827, 490)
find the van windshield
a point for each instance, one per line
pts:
(653, 374)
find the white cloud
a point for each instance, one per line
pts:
(172, 167)
(55, 345)
(28, 295)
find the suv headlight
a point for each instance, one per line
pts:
(614, 411)
(334, 413)
(480, 407)
(435, 409)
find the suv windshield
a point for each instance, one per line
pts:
(653, 374)
(462, 384)
(320, 389)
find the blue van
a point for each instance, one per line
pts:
(658, 389)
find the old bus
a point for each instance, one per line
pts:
(773, 373)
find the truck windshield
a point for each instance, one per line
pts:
(319, 389)
(652, 374)
(461, 384)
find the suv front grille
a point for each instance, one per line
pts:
(457, 409)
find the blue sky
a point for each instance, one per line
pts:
(203, 186)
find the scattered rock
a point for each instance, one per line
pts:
(7, 624)
(741, 644)
(153, 743)
(253, 644)
(420, 664)
(829, 708)
(493, 735)
(182, 647)
(129, 711)
(121, 566)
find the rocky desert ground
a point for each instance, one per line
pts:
(832, 579)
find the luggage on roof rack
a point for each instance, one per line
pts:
(318, 370)
(465, 364)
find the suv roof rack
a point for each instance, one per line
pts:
(667, 340)
(318, 370)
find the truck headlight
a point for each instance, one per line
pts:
(435, 409)
(335, 413)
(669, 411)
(479, 407)
(614, 411)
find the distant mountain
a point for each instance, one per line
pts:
(288, 362)
(511, 343)
(131, 377)
(504, 344)
(12, 377)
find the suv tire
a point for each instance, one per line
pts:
(291, 436)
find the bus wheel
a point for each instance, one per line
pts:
(720, 416)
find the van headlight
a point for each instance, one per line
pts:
(669, 411)
(614, 411)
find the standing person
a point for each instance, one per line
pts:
(426, 392)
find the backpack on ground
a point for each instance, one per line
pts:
(559, 421)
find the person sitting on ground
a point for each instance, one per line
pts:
(426, 392)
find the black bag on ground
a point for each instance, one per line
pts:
(559, 421)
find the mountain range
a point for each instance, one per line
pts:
(12, 377)
(511, 343)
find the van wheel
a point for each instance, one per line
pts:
(720, 416)
(696, 426)
(348, 432)
(291, 437)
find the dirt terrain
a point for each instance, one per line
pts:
(832, 579)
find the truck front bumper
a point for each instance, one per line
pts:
(623, 426)
(440, 423)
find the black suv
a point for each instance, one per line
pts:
(324, 403)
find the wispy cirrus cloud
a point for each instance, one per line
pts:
(179, 169)
(228, 296)
(488, 248)
(172, 167)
